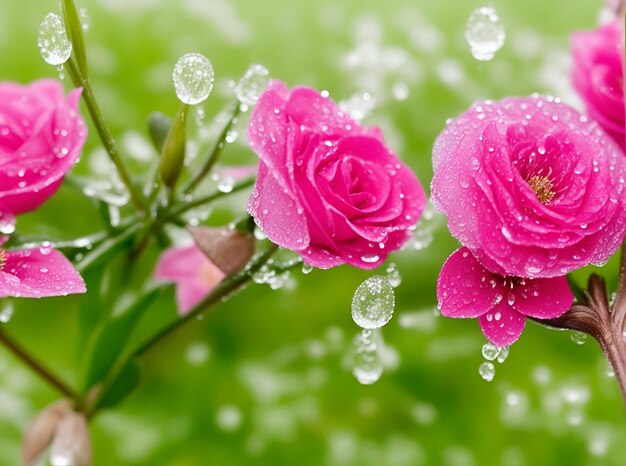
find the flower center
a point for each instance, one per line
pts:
(3, 259)
(543, 188)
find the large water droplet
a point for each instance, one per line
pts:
(373, 303)
(6, 312)
(367, 366)
(193, 78)
(579, 338)
(487, 371)
(490, 351)
(252, 84)
(54, 46)
(484, 33)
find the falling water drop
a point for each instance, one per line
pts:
(306, 268)
(487, 371)
(373, 303)
(484, 33)
(54, 46)
(6, 312)
(393, 275)
(367, 366)
(193, 78)
(503, 354)
(490, 351)
(252, 84)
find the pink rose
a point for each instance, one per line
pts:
(501, 303)
(41, 138)
(598, 76)
(530, 186)
(328, 188)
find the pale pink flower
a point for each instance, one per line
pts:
(533, 188)
(501, 303)
(193, 273)
(37, 273)
(598, 76)
(41, 138)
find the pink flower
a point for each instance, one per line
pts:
(328, 188)
(37, 273)
(501, 303)
(41, 138)
(530, 186)
(194, 274)
(598, 77)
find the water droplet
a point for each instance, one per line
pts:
(487, 371)
(226, 184)
(504, 353)
(307, 268)
(373, 303)
(6, 312)
(54, 46)
(393, 275)
(252, 84)
(229, 418)
(231, 136)
(579, 338)
(193, 78)
(484, 33)
(490, 351)
(367, 366)
(84, 19)
(370, 258)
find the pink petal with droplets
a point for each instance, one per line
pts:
(502, 325)
(464, 287)
(543, 298)
(38, 273)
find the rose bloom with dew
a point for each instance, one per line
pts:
(327, 187)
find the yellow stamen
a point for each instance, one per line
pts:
(543, 188)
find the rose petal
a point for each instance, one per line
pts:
(37, 273)
(502, 325)
(464, 287)
(543, 298)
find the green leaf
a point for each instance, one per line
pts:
(159, 125)
(108, 249)
(90, 310)
(75, 33)
(110, 341)
(127, 380)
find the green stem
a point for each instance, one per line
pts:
(105, 134)
(107, 248)
(36, 366)
(180, 209)
(214, 154)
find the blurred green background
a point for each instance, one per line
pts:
(263, 379)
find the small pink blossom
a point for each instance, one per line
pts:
(530, 186)
(37, 273)
(501, 303)
(41, 138)
(327, 187)
(193, 273)
(598, 76)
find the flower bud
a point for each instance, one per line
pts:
(41, 431)
(71, 444)
(173, 152)
(75, 34)
(230, 250)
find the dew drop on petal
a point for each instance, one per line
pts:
(487, 371)
(54, 46)
(252, 84)
(193, 78)
(373, 303)
(484, 33)
(307, 268)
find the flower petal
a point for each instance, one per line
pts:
(38, 273)
(502, 325)
(464, 287)
(543, 298)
